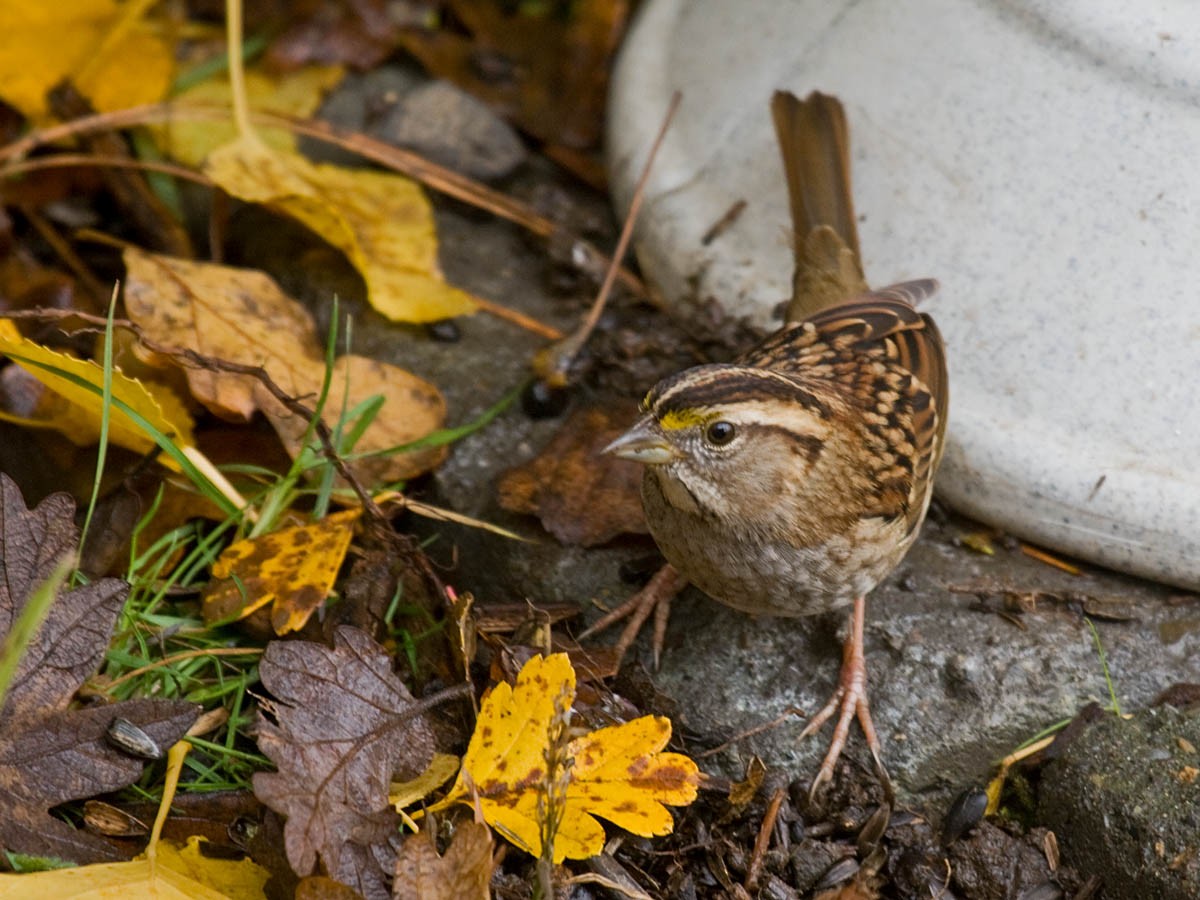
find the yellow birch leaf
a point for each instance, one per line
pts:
(47, 42)
(293, 569)
(296, 94)
(243, 316)
(79, 413)
(618, 772)
(382, 222)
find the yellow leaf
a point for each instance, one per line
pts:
(293, 569)
(295, 94)
(186, 874)
(242, 316)
(618, 772)
(47, 42)
(437, 773)
(382, 222)
(78, 415)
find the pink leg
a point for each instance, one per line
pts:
(849, 701)
(655, 598)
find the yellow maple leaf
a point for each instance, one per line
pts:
(618, 773)
(78, 411)
(293, 569)
(47, 42)
(296, 94)
(382, 222)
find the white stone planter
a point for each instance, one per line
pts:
(1042, 159)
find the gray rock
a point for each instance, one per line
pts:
(1128, 791)
(449, 126)
(356, 104)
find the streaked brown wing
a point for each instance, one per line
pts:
(838, 347)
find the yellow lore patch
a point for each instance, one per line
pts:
(681, 418)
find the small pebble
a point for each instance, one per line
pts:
(445, 331)
(540, 401)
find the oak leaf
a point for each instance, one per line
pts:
(293, 569)
(49, 753)
(340, 727)
(618, 773)
(242, 316)
(382, 222)
(463, 873)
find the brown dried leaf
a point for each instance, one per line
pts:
(50, 754)
(342, 729)
(242, 316)
(464, 873)
(581, 496)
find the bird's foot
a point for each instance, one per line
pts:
(655, 598)
(849, 701)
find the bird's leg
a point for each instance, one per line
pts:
(655, 597)
(849, 700)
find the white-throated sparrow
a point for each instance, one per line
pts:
(791, 481)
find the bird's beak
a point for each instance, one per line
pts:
(644, 443)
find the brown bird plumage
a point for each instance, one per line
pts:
(791, 481)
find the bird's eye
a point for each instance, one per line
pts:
(720, 433)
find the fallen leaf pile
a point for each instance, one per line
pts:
(49, 752)
(383, 223)
(163, 871)
(112, 130)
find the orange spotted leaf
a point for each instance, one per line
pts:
(618, 773)
(292, 568)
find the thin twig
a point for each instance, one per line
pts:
(757, 729)
(763, 841)
(180, 657)
(88, 160)
(553, 363)
(66, 253)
